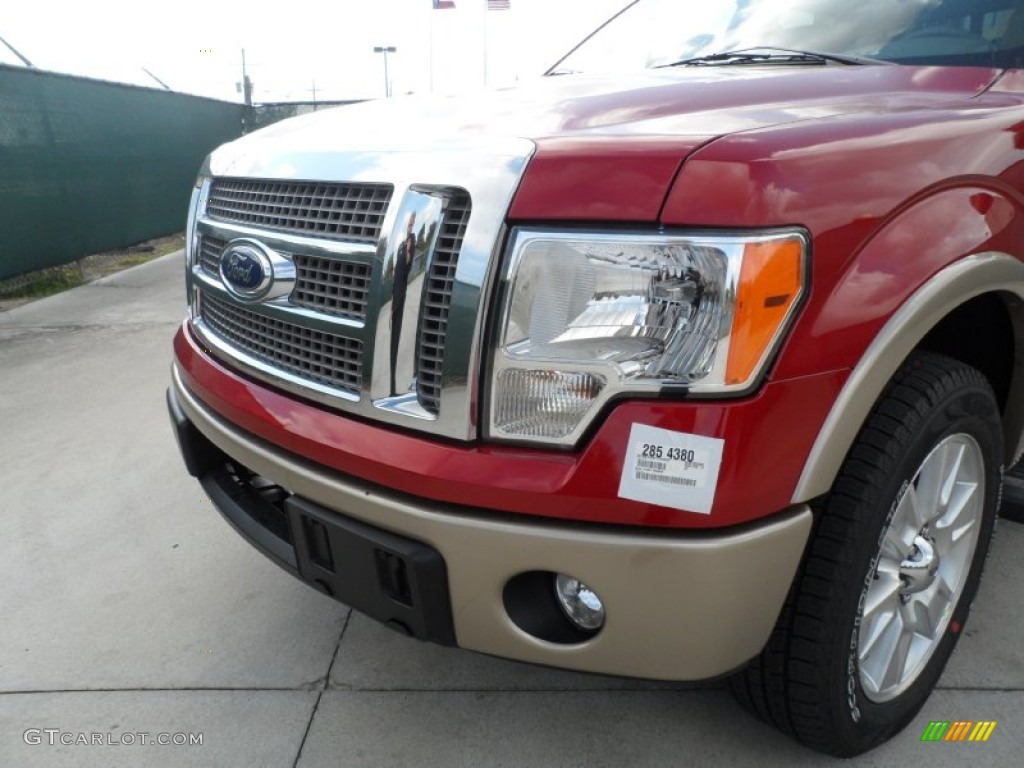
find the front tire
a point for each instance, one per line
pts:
(892, 567)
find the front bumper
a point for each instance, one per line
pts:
(679, 606)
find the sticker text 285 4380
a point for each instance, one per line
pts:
(674, 469)
(666, 462)
(667, 451)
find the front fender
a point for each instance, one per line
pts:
(924, 262)
(856, 293)
(904, 330)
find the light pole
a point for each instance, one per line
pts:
(386, 49)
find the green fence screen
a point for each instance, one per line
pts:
(87, 166)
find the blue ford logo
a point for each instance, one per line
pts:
(246, 270)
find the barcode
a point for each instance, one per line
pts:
(658, 466)
(665, 479)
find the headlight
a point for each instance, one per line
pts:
(586, 317)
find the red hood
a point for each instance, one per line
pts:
(618, 148)
(611, 145)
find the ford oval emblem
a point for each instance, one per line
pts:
(246, 270)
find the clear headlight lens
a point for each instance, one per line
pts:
(589, 316)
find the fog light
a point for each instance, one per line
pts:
(579, 603)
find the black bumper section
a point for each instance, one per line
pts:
(398, 581)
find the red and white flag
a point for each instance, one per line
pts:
(499, 5)
(442, 5)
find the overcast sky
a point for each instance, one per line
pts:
(293, 46)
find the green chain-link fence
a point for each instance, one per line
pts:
(87, 166)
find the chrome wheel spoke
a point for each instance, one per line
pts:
(906, 522)
(931, 477)
(963, 500)
(880, 607)
(876, 658)
(882, 594)
(930, 609)
(953, 462)
(961, 515)
(957, 544)
(897, 665)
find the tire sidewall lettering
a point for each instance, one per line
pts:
(853, 662)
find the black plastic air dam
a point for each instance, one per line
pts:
(398, 581)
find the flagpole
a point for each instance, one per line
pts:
(484, 2)
(432, 50)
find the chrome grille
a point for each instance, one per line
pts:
(437, 298)
(321, 357)
(210, 249)
(262, 197)
(332, 286)
(353, 212)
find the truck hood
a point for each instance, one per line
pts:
(589, 131)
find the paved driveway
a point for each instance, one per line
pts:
(129, 607)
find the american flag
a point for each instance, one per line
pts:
(499, 5)
(440, 5)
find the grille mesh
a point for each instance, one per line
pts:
(353, 212)
(332, 286)
(210, 249)
(437, 298)
(321, 357)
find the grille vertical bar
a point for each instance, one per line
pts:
(437, 298)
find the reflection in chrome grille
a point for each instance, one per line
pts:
(353, 212)
(332, 286)
(210, 249)
(437, 297)
(321, 357)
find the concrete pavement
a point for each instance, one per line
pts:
(128, 607)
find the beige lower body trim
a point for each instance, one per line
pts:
(679, 606)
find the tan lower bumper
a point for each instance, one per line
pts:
(680, 606)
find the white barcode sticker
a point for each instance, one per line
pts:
(673, 469)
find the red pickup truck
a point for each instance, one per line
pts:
(700, 356)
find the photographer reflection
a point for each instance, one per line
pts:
(404, 257)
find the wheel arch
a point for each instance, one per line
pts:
(939, 316)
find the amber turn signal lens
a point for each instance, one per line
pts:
(771, 280)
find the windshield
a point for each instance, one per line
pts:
(651, 33)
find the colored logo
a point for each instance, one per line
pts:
(958, 730)
(246, 270)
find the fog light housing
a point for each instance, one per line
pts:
(579, 603)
